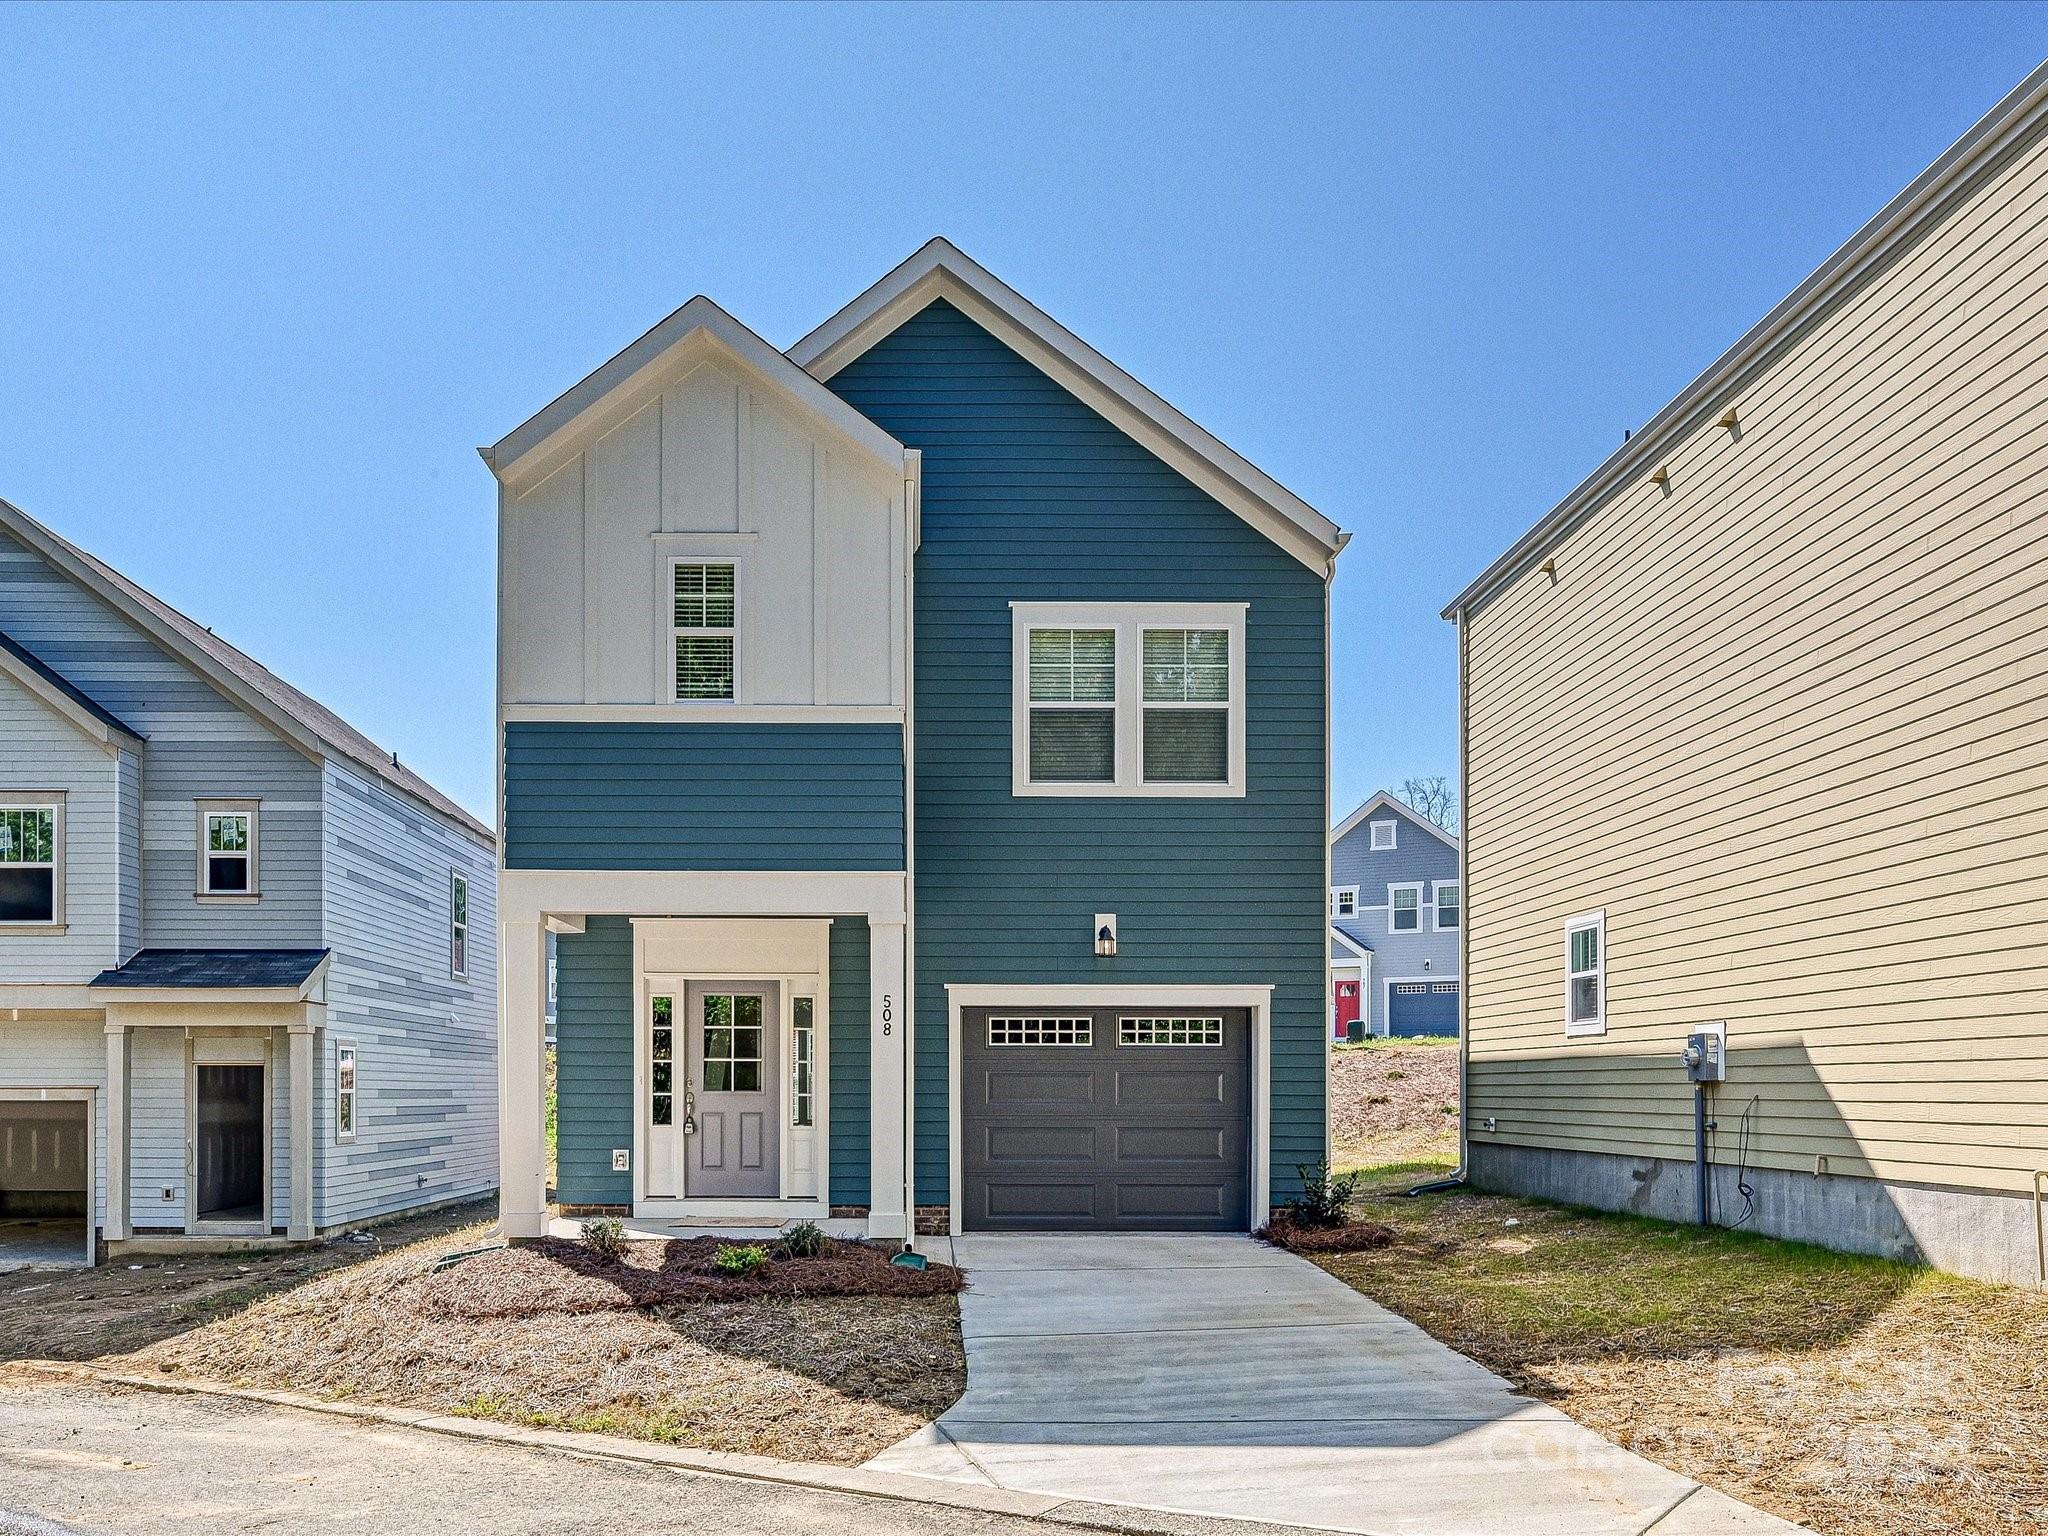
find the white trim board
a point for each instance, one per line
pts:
(940, 270)
(1258, 999)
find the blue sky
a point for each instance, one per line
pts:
(268, 275)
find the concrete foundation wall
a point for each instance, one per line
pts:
(1989, 1236)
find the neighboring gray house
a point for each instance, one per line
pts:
(247, 970)
(1396, 906)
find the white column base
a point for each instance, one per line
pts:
(522, 1102)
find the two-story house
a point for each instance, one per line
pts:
(1396, 907)
(246, 958)
(916, 744)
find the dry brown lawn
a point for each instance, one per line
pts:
(822, 1378)
(1860, 1397)
(1393, 1101)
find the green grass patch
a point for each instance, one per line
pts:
(1402, 1043)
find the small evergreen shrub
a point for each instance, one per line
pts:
(605, 1236)
(805, 1240)
(1325, 1198)
(739, 1258)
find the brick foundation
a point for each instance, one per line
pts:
(933, 1220)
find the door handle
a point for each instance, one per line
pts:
(689, 1113)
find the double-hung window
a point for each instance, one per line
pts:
(1585, 975)
(227, 848)
(1128, 699)
(1449, 909)
(704, 630)
(458, 925)
(1344, 901)
(1404, 908)
(31, 873)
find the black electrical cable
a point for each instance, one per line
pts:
(1745, 1127)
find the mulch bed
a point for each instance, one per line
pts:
(563, 1275)
(1353, 1237)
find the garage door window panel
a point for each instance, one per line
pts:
(1016, 1030)
(1170, 1031)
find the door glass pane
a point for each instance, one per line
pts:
(661, 1048)
(1187, 746)
(1073, 746)
(800, 1061)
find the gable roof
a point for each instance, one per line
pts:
(303, 721)
(1897, 224)
(1385, 800)
(609, 393)
(1357, 950)
(940, 270)
(58, 691)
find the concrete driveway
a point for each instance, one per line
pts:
(1217, 1376)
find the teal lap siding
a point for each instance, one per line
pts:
(1031, 496)
(848, 1061)
(655, 795)
(593, 1061)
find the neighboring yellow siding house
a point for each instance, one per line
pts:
(1764, 705)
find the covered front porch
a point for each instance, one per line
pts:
(729, 1051)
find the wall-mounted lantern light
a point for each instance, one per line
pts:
(1105, 933)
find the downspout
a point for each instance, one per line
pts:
(2040, 1230)
(1325, 928)
(1458, 1175)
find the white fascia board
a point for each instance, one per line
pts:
(1345, 939)
(1897, 224)
(113, 738)
(940, 270)
(1387, 800)
(617, 387)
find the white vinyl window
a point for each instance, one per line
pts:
(458, 925)
(1012, 1030)
(1585, 975)
(345, 1091)
(31, 866)
(802, 1058)
(1170, 1031)
(1449, 908)
(1128, 699)
(704, 631)
(227, 848)
(1404, 908)
(1344, 901)
(1382, 835)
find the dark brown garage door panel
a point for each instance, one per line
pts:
(1075, 1128)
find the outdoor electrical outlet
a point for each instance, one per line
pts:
(169, 1195)
(621, 1160)
(1488, 1123)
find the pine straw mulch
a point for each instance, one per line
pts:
(1393, 1101)
(1856, 1396)
(1352, 1237)
(777, 1365)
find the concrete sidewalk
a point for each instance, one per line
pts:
(1217, 1376)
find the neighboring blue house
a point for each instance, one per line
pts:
(247, 960)
(916, 743)
(1395, 910)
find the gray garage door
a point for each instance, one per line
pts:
(1118, 1119)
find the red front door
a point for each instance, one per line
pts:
(1347, 1009)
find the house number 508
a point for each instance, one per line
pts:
(888, 1014)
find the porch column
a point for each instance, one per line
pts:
(302, 1036)
(889, 1082)
(522, 1105)
(116, 1226)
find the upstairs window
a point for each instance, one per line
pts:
(1449, 909)
(705, 631)
(1585, 975)
(29, 877)
(1344, 901)
(227, 848)
(1404, 908)
(1382, 835)
(1128, 699)
(458, 925)
(345, 1091)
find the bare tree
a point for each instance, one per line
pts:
(1433, 796)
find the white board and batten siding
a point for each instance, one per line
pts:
(713, 467)
(425, 1039)
(1783, 718)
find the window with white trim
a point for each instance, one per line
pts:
(1585, 975)
(1344, 901)
(1404, 908)
(1016, 1030)
(458, 925)
(803, 1043)
(1128, 699)
(661, 1059)
(704, 631)
(31, 879)
(1170, 1031)
(1383, 834)
(345, 1091)
(1449, 908)
(227, 848)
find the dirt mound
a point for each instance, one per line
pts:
(1352, 1237)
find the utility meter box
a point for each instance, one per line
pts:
(1706, 1054)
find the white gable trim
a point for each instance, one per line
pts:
(1385, 800)
(110, 737)
(619, 387)
(1339, 936)
(939, 270)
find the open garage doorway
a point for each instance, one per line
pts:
(46, 1178)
